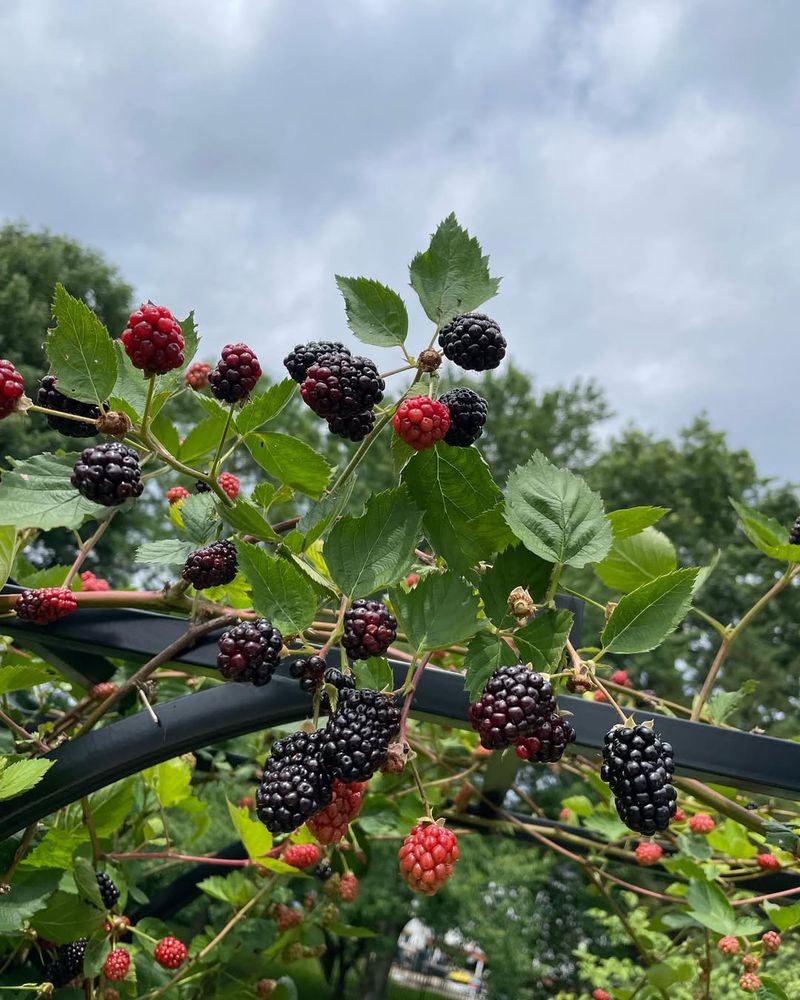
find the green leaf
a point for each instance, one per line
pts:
(66, 918)
(233, 888)
(111, 806)
(171, 781)
(781, 836)
(579, 804)
(709, 905)
(555, 514)
(440, 610)
(771, 989)
(56, 849)
(53, 576)
(606, 825)
(766, 534)
(368, 553)
(636, 560)
(23, 677)
(191, 340)
(199, 515)
(452, 275)
(665, 974)
(8, 550)
(485, 653)
(632, 520)
(130, 388)
(166, 552)
(452, 486)
(722, 704)
(516, 567)
(694, 846)
(402, 454)
(37, 493)
(284, 989)
(254, 835)
(376, 314)
(202, 439)
(785, 918)
(86, 881)
(80, 351)
(279, 867)
(21, 776)
(731, 838)
(290, 461)
(167, 433)
(246, 517)
(542, 641)
(646, 616)
(343, 930)
(28, 893)
(265, 406)
(373, 673)
(280, 591)
(324, 512)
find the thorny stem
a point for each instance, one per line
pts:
(721, 803)
(86, 548)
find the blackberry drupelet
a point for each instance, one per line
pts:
(339, 679)
(108, 474)
(369, 629)
(473, 341)
(794, 534)
(468, 412)
(250, 651)
(358, 734)
(298, 361)
(109, 893)
(236, 373)
(67, 963)
(339, 385)
(638, 767)
(548, 743)
(354, 427)
(212, 566)
(49, 397)
(513, 704)
(296, 783)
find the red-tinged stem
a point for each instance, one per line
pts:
(168, 856)
(21, 733)
(85, 549)
(770, 895)
(411, 690)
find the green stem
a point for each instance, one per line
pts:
(148, 405)
(227, 427)
(361, 452)
(58, 413)
(549, 597)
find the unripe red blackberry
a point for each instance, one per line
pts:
(109, 893)
(648, 853)
(108, 474)
(599, 696)
(621, 677)
(101, 691)
(230, 484)
(45, 605)
(473, 341)
(768, 862)
(353, 427)
(728, 945)
(153, 340)
(427, 857)
(339, 385)
(250, 651)
(49, 397)
(170, 953)
(236, 373)
(116, 965)
(701, 823)
(298, 361)
(680, 816)
(750, 983)
(12, 387)
(750, 962)
(358, 734)
(212, 566)
(296, 784)
(421, 422)
(468, 413)
(771, 942)
(94, 584)
(794, 534)
(348, 887)
(369, 629)
(638, 767)
(67, 963)
(264, 987)
(176, 493)
(301, 855)
(287, 917)
(513, 704)
(330, 824)
(547, 744)
(197, 375)
(246, 802)
(601, 995)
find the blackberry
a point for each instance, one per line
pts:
(794, 534)
(11, 387)
(49, 396)
(67, 963)
(250, 651)
(298, 361)
(421, 421)
(513, 705)
(468, 412)
(358, 734)
(109, 893)
(201, 487)
(638, 766)
(108, 474)
(339, 679)
(236, 373)
(45, 605)
(153, 340)
(473, 341)
(339, 385)
(352, 428)
(211, 566)
(308, 668)
(369, 629)
(296, 783)
(324, 870)
(548, 743)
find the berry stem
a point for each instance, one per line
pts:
(85, 548)
(421, 789)
(552, 587)
(611, 699)
(21, 733)
(89, 823)
(35, 408)
(398, 371)
(221, 445)
(337, 628)
(410, 689)
(361, 451)
(191, 858)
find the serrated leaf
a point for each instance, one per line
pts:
(402, 453)
(782, 836)
(21, 776)
(324, 512)
(66, 918)
(771, 989)
(767, 534)
(646, 616)
(199, 516)
(280, 591)
(665, 974)
(694, 846)
(8, 550)
(439, 611)
(376, 314)
(555, 514)
(202, 439)
(606, 825)
(56, 849)
(365, 554)
(265, 406)
(111, 805)
(86, 881)
(632, 520)
(254, 835)
(233, 888)
(245, 517)
(730, 838)
(171, 781)
(166, 432)
(516, 567)
(452, 275)
(290, 461)
(166, 552)
(579, 804)
(709, 905)
(52, 576)
(542, 641)
(190, 337)
(130, 389)
(29, 891)
(722, 704)
(23, 677)
(374, 673)
(95, 956)
(785, 918)
(637, 559)
(485, 653)
(37, 493)
(80, 351)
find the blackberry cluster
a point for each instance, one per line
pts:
(338, 385)
(638, 767)
(49, 397)
(108, 474)
(296, 783)
(548, 743)
(11, 387)
(67, 963)
(473, 341)
(514, 704)
(369, 629)
(298, 361)
(468, 413)
(358, 734)
(354, 427)
(212, 566)
(236, 373)
(250, 651)
(109, 893)
(794, 534)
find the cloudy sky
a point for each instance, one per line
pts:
(631, 167)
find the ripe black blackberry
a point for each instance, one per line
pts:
(794, 534)
(324, 870)
(211, 566)
(548, 743)
(49, 396)
(333, 676)
(67, 963)
(339, 679)
(352, 428)
(109, 893)
(108, 474)
(201, 487)
(339, 385)
(358, 734)
(250, 651)
(236, 373)
(468, 413)
(473, 341)
(369, 629)
(513, 704)
(296, 783)
(638, 766)
(298, 361)
(308, 668)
